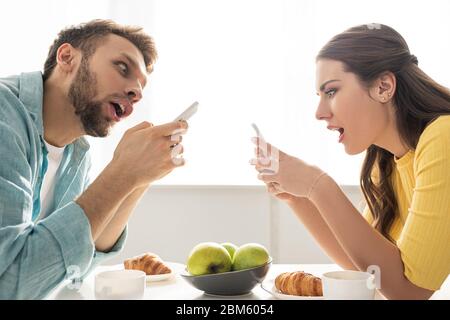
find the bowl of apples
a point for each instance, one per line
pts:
(225, 269)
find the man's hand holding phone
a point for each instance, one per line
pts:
(177, 149)
(147, 153)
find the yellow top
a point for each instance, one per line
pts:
(421, 182)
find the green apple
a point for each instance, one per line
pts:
(250, 255)
(231, 248)
(207, 258)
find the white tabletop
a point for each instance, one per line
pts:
(176, 288)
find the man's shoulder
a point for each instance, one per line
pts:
(9, 86)
(9, 97)
(14, 117)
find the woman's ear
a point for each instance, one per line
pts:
(383, 89)
(66, 57)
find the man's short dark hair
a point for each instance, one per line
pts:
(88, 36)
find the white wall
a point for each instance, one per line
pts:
(170, 220)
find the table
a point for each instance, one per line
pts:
(176, 288)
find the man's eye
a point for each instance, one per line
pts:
(330, 93)
(123, 67)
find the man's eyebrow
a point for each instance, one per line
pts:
(322, 87)
(134, 64)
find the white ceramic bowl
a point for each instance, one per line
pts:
(348, 285)
(120, 285)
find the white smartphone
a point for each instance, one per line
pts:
(267, 159)
(189, 112)
(258, 133)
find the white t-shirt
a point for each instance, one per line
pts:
(54, 158)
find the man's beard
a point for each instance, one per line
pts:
(81, 94)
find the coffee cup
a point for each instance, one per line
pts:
(348, 285)
(120, 285)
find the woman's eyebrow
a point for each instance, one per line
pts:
(322, 87)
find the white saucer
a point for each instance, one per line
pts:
(159, 277)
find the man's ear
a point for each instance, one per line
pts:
(66, 57)
(384, 87)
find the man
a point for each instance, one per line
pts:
(53, 224)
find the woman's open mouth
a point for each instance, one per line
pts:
(341, 135)
(340, 130)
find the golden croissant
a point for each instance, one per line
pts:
(299, 283)
(150, 263)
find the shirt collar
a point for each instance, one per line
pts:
(31, 93)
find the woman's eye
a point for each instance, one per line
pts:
(330, 93)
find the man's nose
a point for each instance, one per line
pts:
(134, 92)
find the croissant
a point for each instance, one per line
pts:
(150, 263)
(299, 283)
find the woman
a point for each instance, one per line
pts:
(378, 99)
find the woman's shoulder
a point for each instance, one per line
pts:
(437, 131)
(441, 123)
(434, 142)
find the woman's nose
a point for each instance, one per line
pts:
(322, 112)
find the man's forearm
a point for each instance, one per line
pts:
(101, 200)
(117, 224)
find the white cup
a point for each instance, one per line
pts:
(120, 285)
(348, 285)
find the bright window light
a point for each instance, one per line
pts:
(245, 61)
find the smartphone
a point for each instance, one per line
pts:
(258, 133)
(267, 159)
(189, 112)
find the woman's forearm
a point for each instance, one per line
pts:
(308, 214)
(363, 244)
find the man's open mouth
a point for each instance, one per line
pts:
(120, 110)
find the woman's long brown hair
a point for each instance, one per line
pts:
(368, 51)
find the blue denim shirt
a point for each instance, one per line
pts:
(35, 256)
